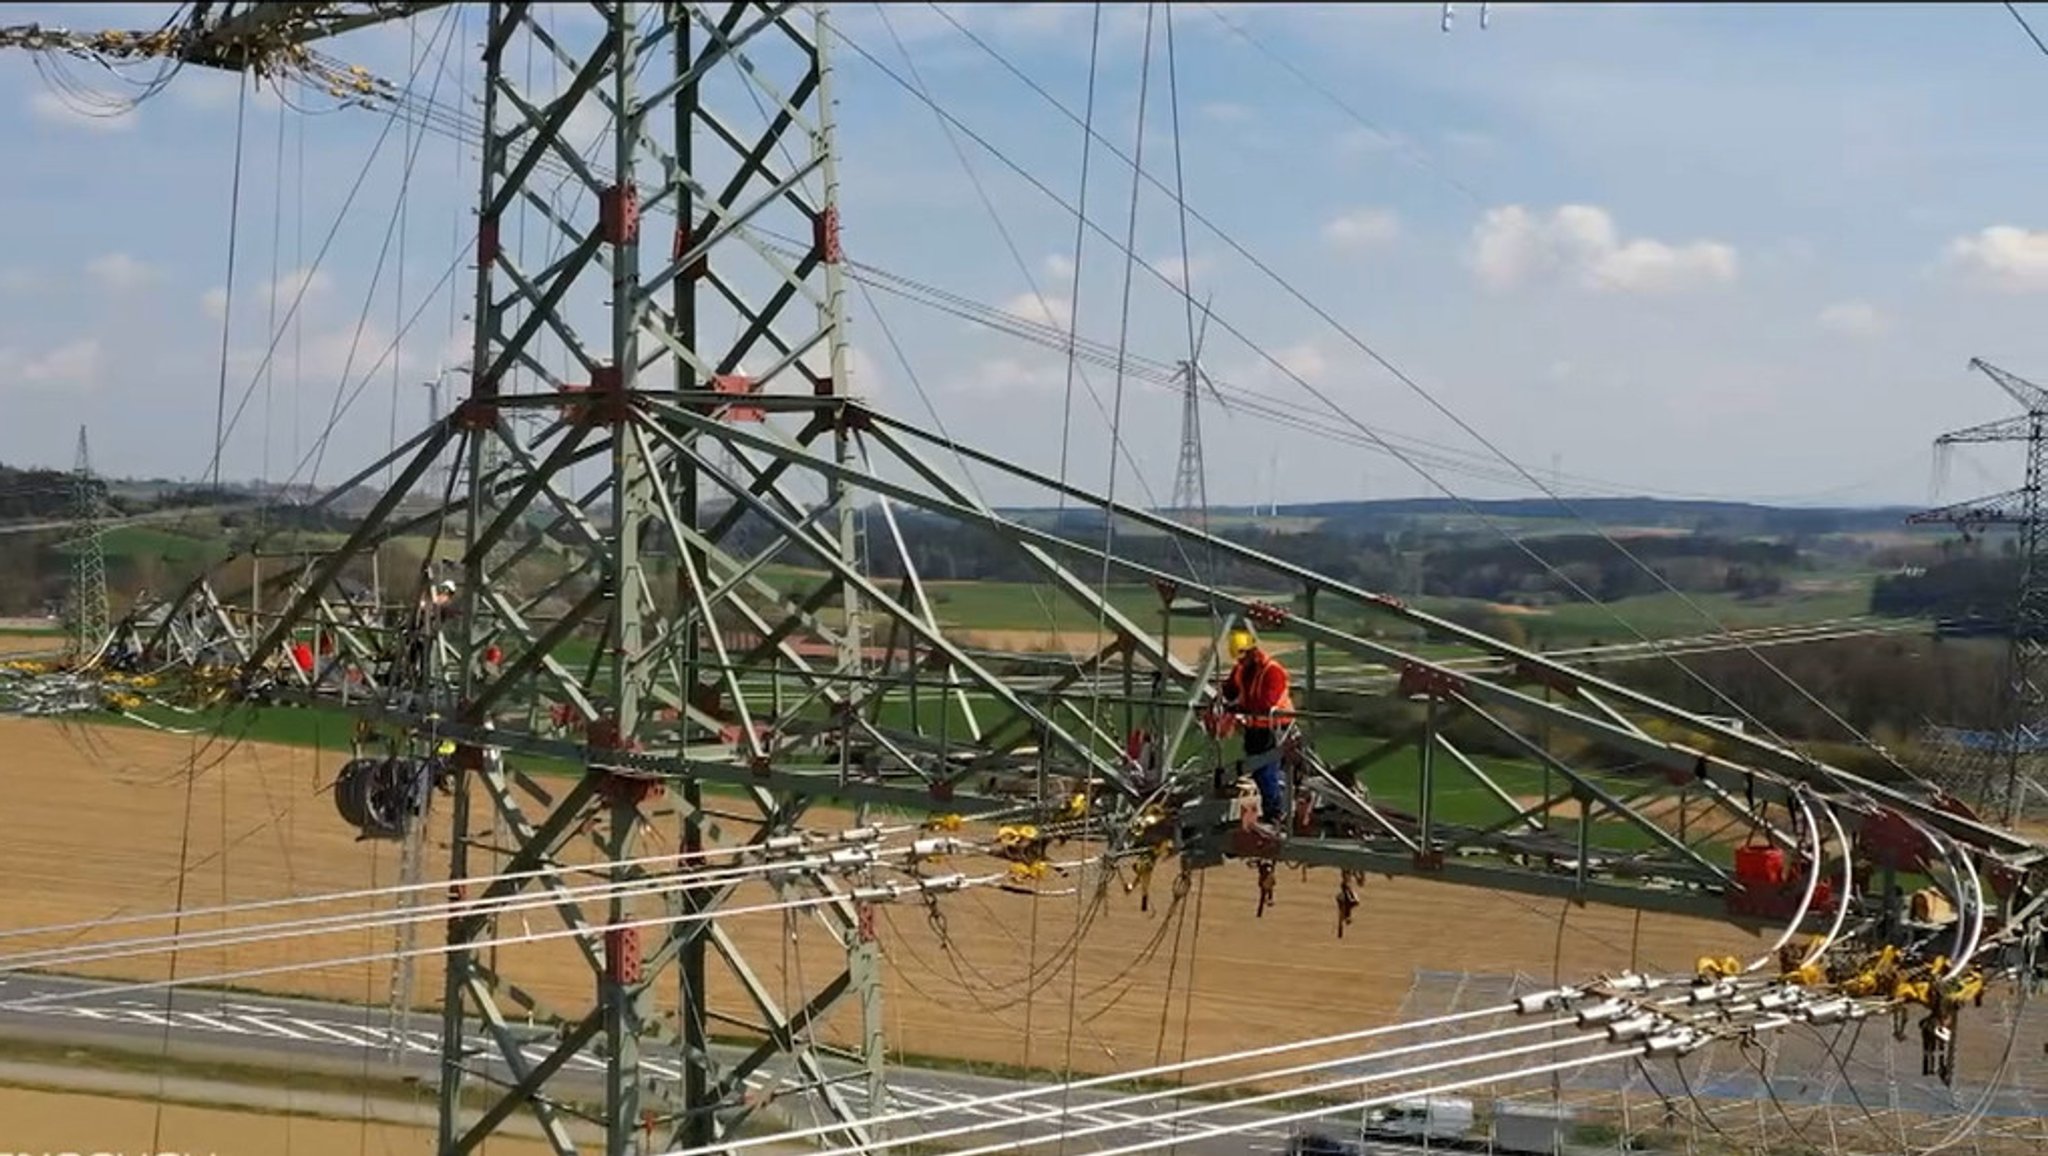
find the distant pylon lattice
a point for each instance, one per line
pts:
(86, 615)
(1190, 492)
(2009, 776)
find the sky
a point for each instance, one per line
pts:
(1718, 250)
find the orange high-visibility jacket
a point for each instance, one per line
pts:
(1256, 689)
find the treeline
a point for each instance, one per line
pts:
(1574, 568)
(1884, 689)
(1890, 687)
(1564, 568)
(1960, 588)
(37, 495)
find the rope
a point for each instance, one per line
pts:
(156, 1133)
(1277, 364)
(1067, 426)
(227, 310)
(1109, 524)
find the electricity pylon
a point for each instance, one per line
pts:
(2023, 717)
(662, 659)
(86, 615)
(1190, 487)
(1190, 476)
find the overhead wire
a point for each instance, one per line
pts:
(391, 232)
(455, 124)
(1089, 901)
(1152, 1072)
(1100, 1108)
(2026, 27)
(227, 302)
(1429, 398)
(308, 271)
(1127, 267)
(1691, 674)
(235, 976)
(1109, 523)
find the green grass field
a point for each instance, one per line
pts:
(1394, 782)
(1024, 606)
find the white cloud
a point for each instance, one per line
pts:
(1304, 361)
(48, 107)
(1228, 112)
(1048, 309)
(1363, 228)
(207, 91)
(1173, 270)
(1467, 141)
(2005, 257)
(327, 354)
(73, 365)
(1856, 318)
(1009, 375)
(120, 272)
(1060, 267)
(1512, 246)
(287, 289)
(1362, 141)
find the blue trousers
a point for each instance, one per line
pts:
(1260, 741)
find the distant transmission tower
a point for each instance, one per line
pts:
(2013, 771)
(1190, 478)
(1190, 489)
(87, 613)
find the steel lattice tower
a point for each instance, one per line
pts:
(87, 614)
(2024, 710)
(609, 338)
(691, 306)
(1190, 488)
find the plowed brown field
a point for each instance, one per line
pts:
(37, 1121)
(101, 819)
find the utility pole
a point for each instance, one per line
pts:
(2013, 770)
(86, 617)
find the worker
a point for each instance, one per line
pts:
(1256, 691)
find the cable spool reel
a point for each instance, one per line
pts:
(379, 797)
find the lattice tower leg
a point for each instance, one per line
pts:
(2025, 660)
(660, 682)
(87, 613)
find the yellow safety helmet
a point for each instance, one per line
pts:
(1242, 640)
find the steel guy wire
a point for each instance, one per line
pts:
(1033, 1092)
(672, 883)
(457, 125)
(944, 884)
(1261, 1052)
(1428, 397)
(1239, 1103)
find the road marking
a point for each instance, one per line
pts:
(275, 1027)
(944, 1103)
(211, 1022)
(349, 1038)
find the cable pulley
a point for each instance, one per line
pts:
(381, 797)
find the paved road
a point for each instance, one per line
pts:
(277, 1031)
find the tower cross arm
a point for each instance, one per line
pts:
(2005, 429)
(2008, 508)
(2031, 397)
(236, 37)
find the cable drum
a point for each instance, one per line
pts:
(379, 796)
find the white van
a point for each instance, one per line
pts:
(1431, 1118)
(1531, 1129)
